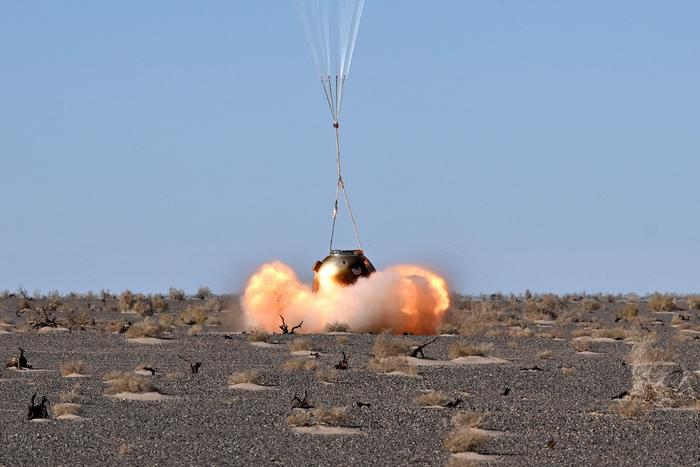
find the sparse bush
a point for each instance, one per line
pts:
(176, 294)
(463, 436)
(568, 371)
(478, 321)
(693, 302)
(660, 302)
(72, 368)
(581, 344)
(321, 416)
(194, 314)
(337, 326)
(149, 327)
(243, 377)
(213, 305)
(545, 354)
(386, 346)
(114, 326)
(203, 292)
(617, 333)
(258, 335)
(628, 408)
(195, 330)
(300, 364)
(591, 304)
(65, 409)
(459, 349)
(143, 307)
(159, 304)
(327, 375)
(391, 365)
(447, 328)
(302, 343)
(432, 398)
(628, 312)
(71, 396)
(126, 301)
(124, 381)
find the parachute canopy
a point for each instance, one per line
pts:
(331, 29)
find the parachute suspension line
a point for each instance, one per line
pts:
(340, 185)
(331, 28)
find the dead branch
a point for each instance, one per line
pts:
(19, 362)
(301, 403)
(194, 366)
(38, 410)
(419, 350)
(343, 363)
(453, 403)
(285, 328)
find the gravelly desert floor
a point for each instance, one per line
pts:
(543, 415)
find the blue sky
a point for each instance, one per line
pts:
(506, 144)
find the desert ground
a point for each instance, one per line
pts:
(506, 380)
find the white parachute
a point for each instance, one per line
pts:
(331, 28)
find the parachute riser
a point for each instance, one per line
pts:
(340, 186)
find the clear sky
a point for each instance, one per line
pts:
(506, 144)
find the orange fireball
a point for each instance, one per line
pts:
(404, 298)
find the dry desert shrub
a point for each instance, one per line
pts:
(327, 375)
(194, 314)
(302, 343)
(661, 302)
(142, 307)
(521, 332)
(391, 365)
(545, 354)
(176, 294)
(321, 416)
(342, 339)
(259, 335)
(337, 326)
(114, 326)
(195, 330)
(149, 327)
(628, 312)
(124, 449)
(461, 349)
(581, 332)
(166, 320)
(591, 304)
(447, 328)
(693, 302)
(387, 346)
(463, 437)
(657, 381)
(581, 344)
(65, 409)
(71, 396)
(203, 292)
(568, 371)
(300, 364)
(478, 321)
(617, 333)
(431, 399)
(243, 377)
(628, 408)
(125, 381)
(159, 304)
(126, 300)
(72, 368)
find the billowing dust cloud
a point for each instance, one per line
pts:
(401, 298)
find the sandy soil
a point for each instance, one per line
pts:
(527, 402)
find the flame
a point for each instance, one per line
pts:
(403, 298)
